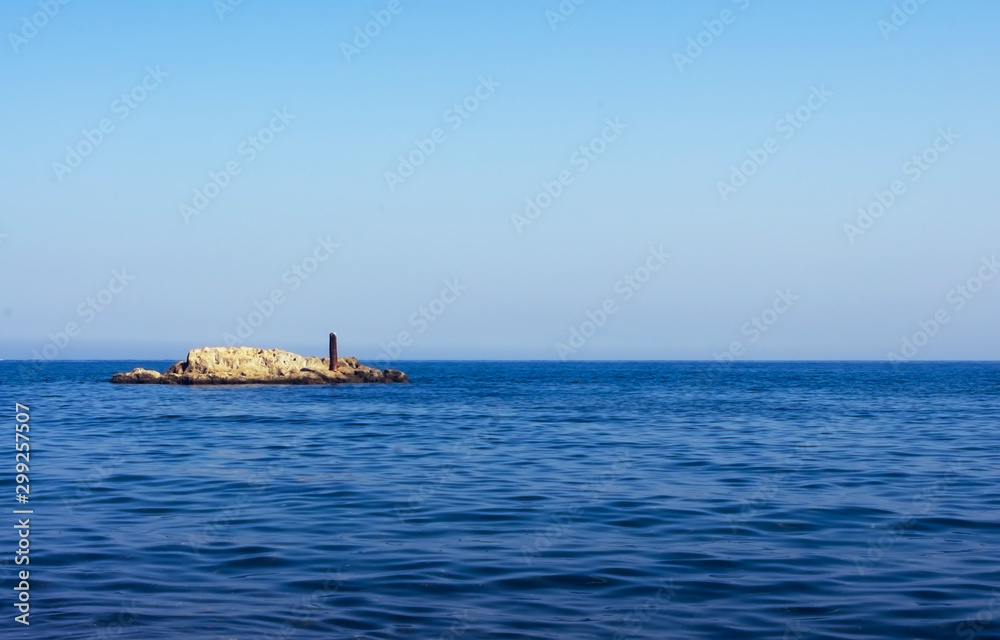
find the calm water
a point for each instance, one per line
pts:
(515, 500)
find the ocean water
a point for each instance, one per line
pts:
(513, 500)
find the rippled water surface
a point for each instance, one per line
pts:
(514, 500)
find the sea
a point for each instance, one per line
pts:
(507, 500)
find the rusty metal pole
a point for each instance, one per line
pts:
(333, 352)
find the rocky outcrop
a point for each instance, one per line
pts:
(247, 365)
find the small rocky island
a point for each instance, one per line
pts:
(248, 365)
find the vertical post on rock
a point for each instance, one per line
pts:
(333, 352)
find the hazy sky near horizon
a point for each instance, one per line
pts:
(689, 195)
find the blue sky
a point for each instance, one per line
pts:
(453, 238)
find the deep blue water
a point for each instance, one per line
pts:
(514, 500)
